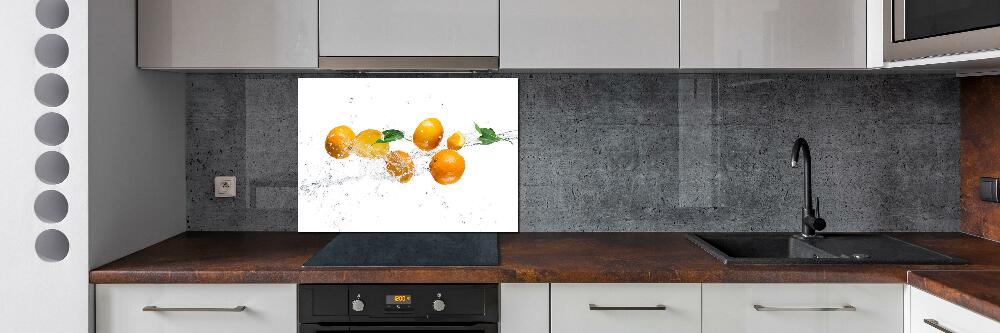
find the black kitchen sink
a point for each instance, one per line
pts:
(837, 248)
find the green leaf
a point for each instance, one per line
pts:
(390, 136)
(487, 135)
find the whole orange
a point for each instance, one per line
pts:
(338, 141)
(447, 166)
(399, 165)
(428, 134)
(365, 146)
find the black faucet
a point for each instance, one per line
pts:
(810, 221)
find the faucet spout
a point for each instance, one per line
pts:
(802, 146)
(810, 222)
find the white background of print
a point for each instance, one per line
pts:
(357, 195)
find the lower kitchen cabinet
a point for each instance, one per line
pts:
(625, 307)
(930, 314)
(817, 308)
(196, 308)
(524, 308)
(569, 307)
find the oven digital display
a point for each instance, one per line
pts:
(398, 299)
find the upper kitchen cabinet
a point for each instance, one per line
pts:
(407, 34)
(589, 34)
(779, 34)
(196, 34)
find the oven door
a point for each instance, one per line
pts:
(916, 29)
(473, 328)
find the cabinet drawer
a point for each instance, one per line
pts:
(622, 307)
(269, 308)
(814, 308)
(946, 315)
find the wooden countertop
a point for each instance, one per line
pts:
(978, 291)
(277, 257)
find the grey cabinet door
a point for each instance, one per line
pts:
(228, 33)
(589, 34)
(773, 34)
(408, 28)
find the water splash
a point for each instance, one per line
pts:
(366, 169)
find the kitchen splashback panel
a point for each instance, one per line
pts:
(428, 179)
(637, 152)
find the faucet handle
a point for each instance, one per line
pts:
(817, 206)
(819, 223)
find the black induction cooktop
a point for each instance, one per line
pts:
(408, 249)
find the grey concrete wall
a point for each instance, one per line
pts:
(640, 152)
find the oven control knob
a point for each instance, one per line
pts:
(438, 305)
(358, 305)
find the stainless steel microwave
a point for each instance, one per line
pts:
(929, 28)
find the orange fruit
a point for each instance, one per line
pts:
(365, 146)
(399, 165)
(456, 141)
(447, 166)
(428, 134)
(338, 141)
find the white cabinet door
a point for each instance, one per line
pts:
(927, 310)
(407, 28)
(777, 308)
(589, 34)
(524, 308)
(773, 34)
(625, 307)
(227, 33)
(269, 308)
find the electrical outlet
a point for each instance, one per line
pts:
(225, 187)
(988, 189)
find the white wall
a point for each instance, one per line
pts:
(38, 295)
(126, 135)
(137, 188)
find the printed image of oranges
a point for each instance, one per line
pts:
(447, 166)
(456, 141)
(338, 142)
(428, 134)
(365, 146)
(399, 165)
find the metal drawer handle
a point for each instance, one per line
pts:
(594, 307)
(154, 308)
(935, 324)
(848, 307)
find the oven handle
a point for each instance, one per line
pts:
(476, 327)
(481, 327)
(312, 328)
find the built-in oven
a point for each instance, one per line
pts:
(928, 28)
(386, 308)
